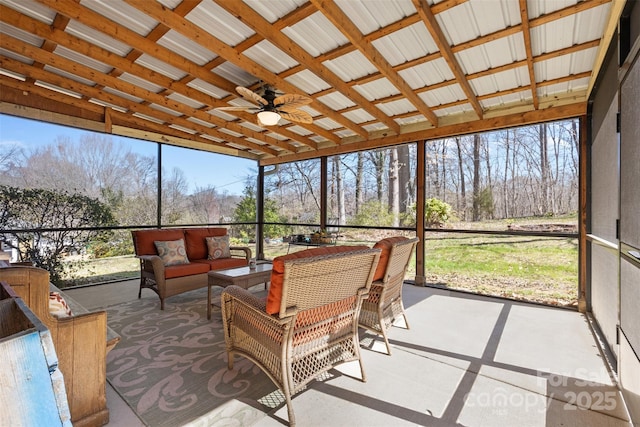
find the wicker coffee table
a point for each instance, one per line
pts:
(244, 277)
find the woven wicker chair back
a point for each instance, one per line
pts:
(317, 281)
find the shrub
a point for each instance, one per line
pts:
(437, 212)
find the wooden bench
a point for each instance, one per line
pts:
(81, 341)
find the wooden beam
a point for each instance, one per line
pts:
(348, 28)
(252, 19)
(526, 34)
(523, 118)
(195, 33)
(443, 45)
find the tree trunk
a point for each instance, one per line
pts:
(404, 178)
(339, 190)
(394, 190)
(476, 177)
(462, 206)
(544, 170)
(359, 182)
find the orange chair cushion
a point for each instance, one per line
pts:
(195, 240)
(385, 246)
(277, 272)
(143, 239)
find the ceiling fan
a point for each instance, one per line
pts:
(273, 107)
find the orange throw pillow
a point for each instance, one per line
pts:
(277, 272)
(385, 245)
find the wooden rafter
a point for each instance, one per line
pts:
(344, 24)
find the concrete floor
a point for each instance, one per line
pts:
(467, 360)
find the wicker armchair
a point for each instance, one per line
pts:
(316, 327)
(384, 305)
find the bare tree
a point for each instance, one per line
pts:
(462, 205)
(394, 187)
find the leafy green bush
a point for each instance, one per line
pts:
(437, 212)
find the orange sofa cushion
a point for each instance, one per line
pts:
(277, 272)
(143, 239)
(222, 263)
(181, 270)
(385, 246)
(195, 240)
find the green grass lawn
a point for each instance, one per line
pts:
(540, 269)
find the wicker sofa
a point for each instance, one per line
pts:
(309, 321)
(170, 280)
(81, 340)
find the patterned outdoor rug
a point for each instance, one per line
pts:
(171, 366)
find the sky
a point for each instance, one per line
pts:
(226, 173)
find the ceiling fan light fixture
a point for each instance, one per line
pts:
(269, 118)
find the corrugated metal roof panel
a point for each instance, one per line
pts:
(149, 118)
(145, 84)
(498, 82)
(122, 94)
(394, 108)
(201, 122)
(82, 59)
(183, 129)
(410, 120)
(538, 8)
(270, 57)
(11, 74)
(358, 116)
(235, 74)
(219, 23)
(33, 9)
(189, 49)
(299, 130)
(161, 67)
(443, 95)
(122, 13)
(316, 34)
(327, 123)
(407, 44)
(274, 10)
(336, 101)
(377, 89)
(208, 88)
(504, 50)
(373, 127)
(20, 34)
(57, 89)
(351, 66)
(165, 110)
(308, 82)
(452, 111)
(108, 104)
(67, 75)
(523, 96)
(427, 74)
(96, 37)
(186, 100)
(369, 16)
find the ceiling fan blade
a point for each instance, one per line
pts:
(290, 100)
(251, 95)
(298, 116)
